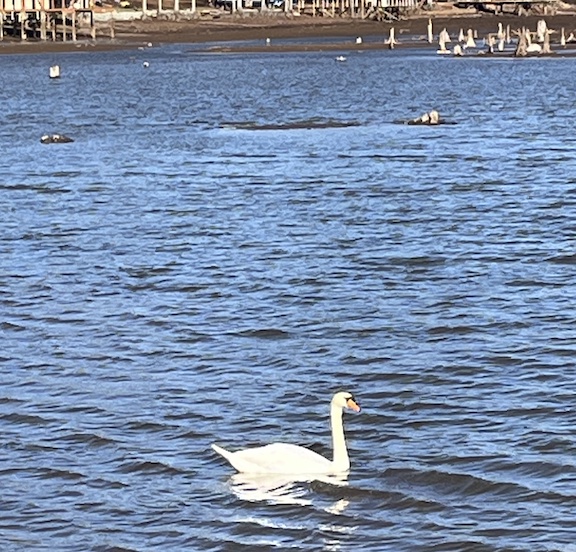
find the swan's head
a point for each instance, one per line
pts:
(345, 400)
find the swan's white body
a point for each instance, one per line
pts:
(293, 459)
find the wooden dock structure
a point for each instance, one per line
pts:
(513, 7)
(48, 19)
(64, 20)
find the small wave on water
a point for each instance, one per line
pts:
(307, 124)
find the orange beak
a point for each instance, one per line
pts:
(352, 405)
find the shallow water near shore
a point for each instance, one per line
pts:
(232, 238)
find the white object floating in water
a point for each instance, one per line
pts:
(341, 58)
(267, 42)
(55, 72)
(359, 40)
(146, 64)
(149, 45)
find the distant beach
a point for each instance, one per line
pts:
(337, 33)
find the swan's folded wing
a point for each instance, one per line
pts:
(279, 458)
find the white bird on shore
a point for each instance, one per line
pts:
(359, 40)
(293, 459)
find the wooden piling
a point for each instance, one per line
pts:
(22, 23)
(43, 24)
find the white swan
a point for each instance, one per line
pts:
(293, 459)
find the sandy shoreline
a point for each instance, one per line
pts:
(339, 31)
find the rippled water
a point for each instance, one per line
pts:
(193, 269)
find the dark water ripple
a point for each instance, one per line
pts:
(171, 279)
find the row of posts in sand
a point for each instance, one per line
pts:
(326, 8)
(527, 42)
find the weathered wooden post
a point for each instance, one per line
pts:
(443, 39)
(64, 30)
(541, 30)
(176, 6)
(193, 6)
(522, 46)
(470, 42)
(74, 22)
(22, 22)
(430, 33)
(546, 46)
(92, 25)
(391, 39)
(2, 14)
(144, 7)
(43, 22)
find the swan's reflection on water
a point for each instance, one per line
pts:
(298, 490)
(284, 488)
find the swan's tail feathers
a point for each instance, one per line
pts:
(236, 459)
(222, 452)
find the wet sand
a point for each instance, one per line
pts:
(338, 33)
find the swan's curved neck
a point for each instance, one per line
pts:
(341, 461)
